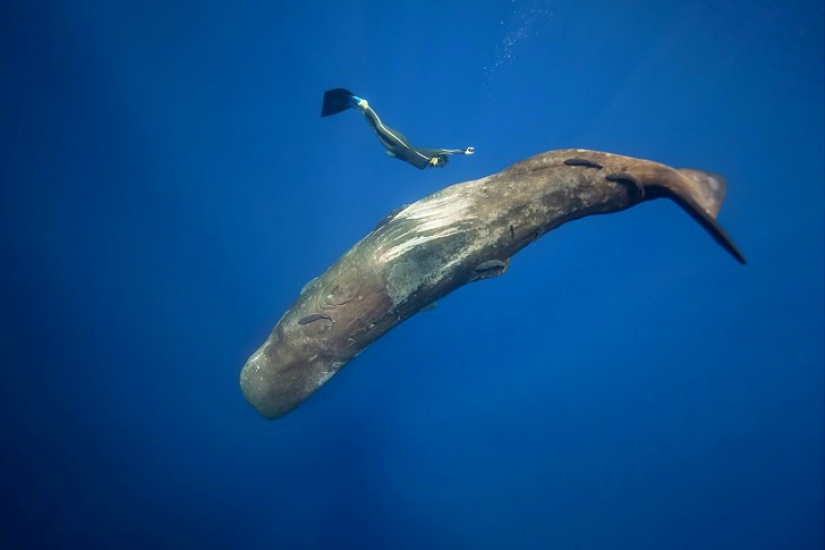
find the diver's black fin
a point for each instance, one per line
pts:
(336, 101)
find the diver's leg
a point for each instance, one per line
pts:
(389, 138)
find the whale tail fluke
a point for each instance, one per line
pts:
(700, 194)
(706, 188)
(336, 101)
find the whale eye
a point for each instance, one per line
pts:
(342, 289)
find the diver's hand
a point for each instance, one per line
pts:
(362, 104)
(469, 150)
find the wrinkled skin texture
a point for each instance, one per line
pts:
(460, 234)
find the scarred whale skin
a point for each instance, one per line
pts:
(463, 233)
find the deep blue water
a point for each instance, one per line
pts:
(168, 187)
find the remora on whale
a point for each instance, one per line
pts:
(463, 233)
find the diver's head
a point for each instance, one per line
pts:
(439, 161)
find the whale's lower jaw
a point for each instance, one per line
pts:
(463, 233)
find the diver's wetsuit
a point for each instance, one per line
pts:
(340, 99)
(397, 145)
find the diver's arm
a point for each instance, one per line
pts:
(467, 151)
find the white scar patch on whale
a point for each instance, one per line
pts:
(434, 219)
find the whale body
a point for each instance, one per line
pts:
(460, 234)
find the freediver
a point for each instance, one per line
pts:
(339, 100)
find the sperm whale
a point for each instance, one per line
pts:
(460, 234)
